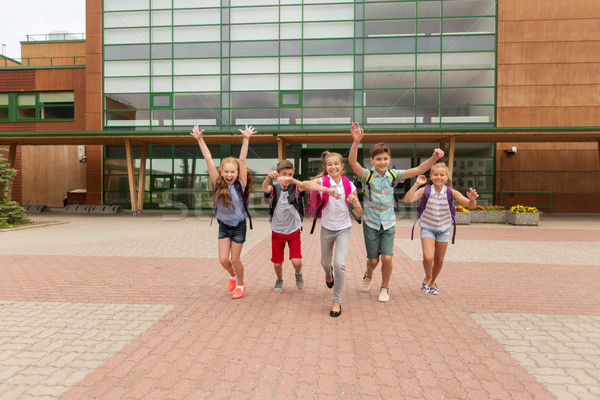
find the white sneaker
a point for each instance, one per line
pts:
(384, 294)
(366, 283)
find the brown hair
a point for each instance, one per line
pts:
(221, 192)
(324, 156)
(379, 148)
(442, 165)
(284, 164)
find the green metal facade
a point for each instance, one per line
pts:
(295, 65)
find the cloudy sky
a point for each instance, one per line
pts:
(32, 17)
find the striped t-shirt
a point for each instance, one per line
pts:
(378, 211)
(436, 216)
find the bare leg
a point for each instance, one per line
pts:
(236, 251)
(438, 259)
(386, 270)
(278, 270)
(428, 245)
(371, 265)
(297, 263)
(224, 250)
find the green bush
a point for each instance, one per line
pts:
(11, 213)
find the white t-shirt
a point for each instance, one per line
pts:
(335, 216)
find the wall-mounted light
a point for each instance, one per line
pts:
(512, 150)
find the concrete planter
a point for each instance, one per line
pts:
(477, 216)
(495, 217)
(462, 218)
(523, 218)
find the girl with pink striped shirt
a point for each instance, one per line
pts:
(436, 220)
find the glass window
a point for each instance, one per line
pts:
(428, 79)
(129, 35)
(428, 44)
(290, 31)
(116, 5)
(254, 14)
(390, 45)
(328, 64)
(255, 99)
(290, 47)
(197, 100)
(333, 46)
(468, 60)
(465, 8)
(428, 96)
(327, 116)
(127, 101)
(428, 9)
(194, 3)
(265, 65)
(390, 115)
(468, 96)
(390, 28)
(197, 67)
(290, 13)
(254, 82)
(254, 49)
(127, 118)
(290, 82)
(327, 98)
(390, 97)
(390, 61)
(255, 32)
(3, 99)
(469, 26)
(126, 68)
(429, 27)
(162, 67)
(162, 84)
(468, 78)
(161, 100)
(162, 18)
(127, 52)
(469, 43)
(132, 85)
(329, 12)
(290, 64)
(328, 81)
(200, 117)
(389, 79)
(197, 84)
(262, 116)
(196, 34)
(162, 35)
(162, 117)
(391, 10)
(206, 16)
(328, 30)
(290, 99)
(126, 19)
(196, 50)
(3, 112)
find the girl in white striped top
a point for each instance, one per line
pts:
(436, 220)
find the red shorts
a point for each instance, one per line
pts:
(278, 242)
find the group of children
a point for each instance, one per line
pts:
(339, 202)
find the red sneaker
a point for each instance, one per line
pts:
(231, 284)
(239, 292)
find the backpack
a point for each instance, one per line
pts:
(360, 189)
(317, 201)
(423, 204)
(242, 193)
(294, 197)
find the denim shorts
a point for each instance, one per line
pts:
(236, 233)
(439, 236)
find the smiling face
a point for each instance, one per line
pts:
(334, 166)
(229, 172)
(438, 176)
(381, 162)
(287, 173)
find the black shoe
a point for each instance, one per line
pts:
(336, 313)
(329, 284)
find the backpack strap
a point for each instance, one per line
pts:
(347, 191)
(394, 178)
(422, 205)
(324, 198)
(368, 180)
(242, 193)
(273, 198)
(452, 210)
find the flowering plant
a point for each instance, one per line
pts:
(477, 208)
(524, 209)
(495, 208)
(460, 209)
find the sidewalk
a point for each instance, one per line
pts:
(136, 307)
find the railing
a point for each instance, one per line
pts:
(41, 61)
(51, 37)
(542, 206)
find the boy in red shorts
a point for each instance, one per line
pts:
(287, 211)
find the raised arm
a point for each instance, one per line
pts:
(425, 165)
(246, 133)
(212, 170)
(312, 185)
(470, 201)
(266, 187)
(357, 135)
(415, 193)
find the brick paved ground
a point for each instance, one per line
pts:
(136, 307)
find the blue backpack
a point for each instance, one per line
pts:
(423, 204)
(242, 193)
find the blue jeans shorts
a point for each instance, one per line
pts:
(439, 236)
(236, 233)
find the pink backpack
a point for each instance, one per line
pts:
(317, 200)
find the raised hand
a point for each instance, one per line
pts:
(421, 180)
(197, 134)
(334, 193)
(353, 199)
(472, 194)
(438, 153)
(357, 132)
(249, 131)
(284, 180)
(273, 174)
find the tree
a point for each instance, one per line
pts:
(11, 213)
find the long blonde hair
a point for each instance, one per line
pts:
(328, 154)
(442, 165)
(221, 192)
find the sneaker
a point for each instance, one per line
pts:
(278, 286)
(384, 294)
(424, 288)
(239, 292)
(231, 283)
(366, 283)
(434, 290)
(299, 281)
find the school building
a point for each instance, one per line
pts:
(510, 89)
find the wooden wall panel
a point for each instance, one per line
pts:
(44, 185)
(547, 116)
(17, 80)
(555, 74)
(550, 96)
(550, 30)
(548, 52)
(53, 53)
(546, 9)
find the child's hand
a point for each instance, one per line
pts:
(352, 199)
(334, 193)
(357, 132)
(249, 131)
(438, 153)
(472, 194)
(197, 134)
(273, 174)
(284, 180)
(421, 180)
